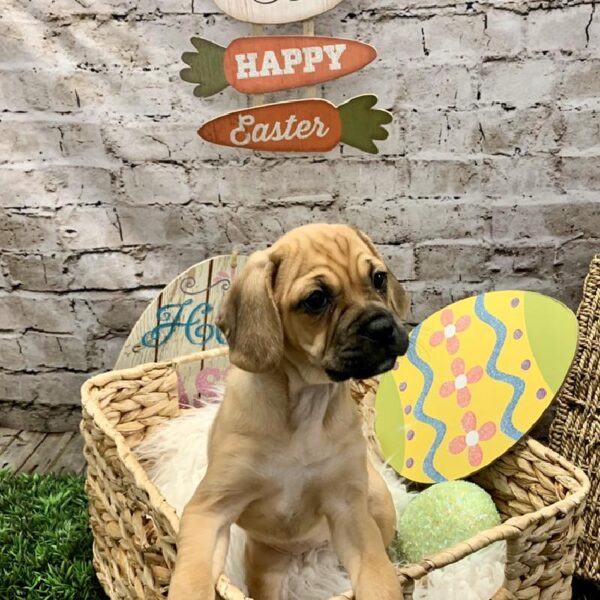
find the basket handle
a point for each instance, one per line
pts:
(197, 357)
(227, 591)
(457, 552)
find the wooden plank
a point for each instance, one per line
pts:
(275, 11)
(308, 28)
(20, 449)
(71, 460)
(199, 378)
(46, 453)
(257, 31)
(192, 294)
(33, 452)
(6, 437)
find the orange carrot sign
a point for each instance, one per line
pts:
(258, 65)
(301, 126)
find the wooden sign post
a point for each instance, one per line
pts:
(260, 64)
(274, 12)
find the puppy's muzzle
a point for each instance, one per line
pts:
(380, 329)
(370, 348)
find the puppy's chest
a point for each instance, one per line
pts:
(294, 479)
(309, 459)
(298, 469)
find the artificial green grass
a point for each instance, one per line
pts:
(45, 542)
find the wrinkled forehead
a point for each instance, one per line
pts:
(336, 258)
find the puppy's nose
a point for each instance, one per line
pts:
(379, 328)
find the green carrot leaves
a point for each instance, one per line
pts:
(205, 68)
(362, 123)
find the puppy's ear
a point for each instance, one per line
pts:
(249, 317)
(399, 297)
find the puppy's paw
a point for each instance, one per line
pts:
(188, 590)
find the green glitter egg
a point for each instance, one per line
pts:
(443, 515)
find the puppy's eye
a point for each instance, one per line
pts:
(379, 280)
(316, 302)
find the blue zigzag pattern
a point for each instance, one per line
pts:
(439, 427)
(506, 424)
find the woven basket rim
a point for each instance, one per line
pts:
(125, 453)
(510, 529)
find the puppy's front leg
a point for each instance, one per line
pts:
(203, 538)
(359, 545)
(201, 551)
(381, 505)
(266, 569)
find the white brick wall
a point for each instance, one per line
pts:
(491, 178)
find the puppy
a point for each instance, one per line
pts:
(287, 460)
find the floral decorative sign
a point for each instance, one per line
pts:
(257, 65)
(207, 387)
(312, 125)
(272, 12)
(476, 378)
(180, 321)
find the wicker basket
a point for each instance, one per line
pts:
(575, 431)
(539, 494)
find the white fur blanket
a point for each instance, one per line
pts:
(175, 457)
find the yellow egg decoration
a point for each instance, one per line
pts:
(476, 378)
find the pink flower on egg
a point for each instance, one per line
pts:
(460, 383)
(451, 328)
(472, 438)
